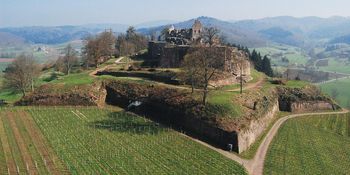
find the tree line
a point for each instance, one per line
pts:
(23, 72)
(261, 63)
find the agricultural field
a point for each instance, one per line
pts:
(311, 145)
(276, 52)
(23, 149)
(341, 88)
(337, 65)
(100, 141)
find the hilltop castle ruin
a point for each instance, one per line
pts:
(177, 42)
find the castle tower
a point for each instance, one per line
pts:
(197, 30)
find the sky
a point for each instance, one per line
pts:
(14, 13)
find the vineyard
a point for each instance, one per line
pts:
(99, 141)
(23, 149)
(311, 145)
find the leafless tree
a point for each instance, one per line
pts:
(207, 63)
(21, 74)
(130, 43)
(68, 61)
(191, 71)
(210, 35)
(99, 49)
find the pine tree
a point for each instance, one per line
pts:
(266, 66)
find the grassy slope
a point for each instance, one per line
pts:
(342, 86)
(92, 140)
(311, 145)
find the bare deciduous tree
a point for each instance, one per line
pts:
(99, 49)
(130, 43)
(207, 63)
(21, 74)
(210, 35)
(68, 61)
(191, 71)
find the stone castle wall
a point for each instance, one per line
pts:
(172, 57)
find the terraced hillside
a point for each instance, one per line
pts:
(311, 145)
(101, 141)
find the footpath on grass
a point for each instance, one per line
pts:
(255, 166)
(256, 85)
(93, 73)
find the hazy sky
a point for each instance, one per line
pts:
(60, 12)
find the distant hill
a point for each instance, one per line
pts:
(342, 39)
(60, 34)
(155, 23)
(8, 40)
(303, 29)
(284, 29)
(229, 30)
(299, 32)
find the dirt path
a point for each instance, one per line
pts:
(255, 166)
(26, 157)
(53, 163)
(93, 73)
(256, 85)
(10, 162)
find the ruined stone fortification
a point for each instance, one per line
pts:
(308, 99)
(256, 127)
(171, 52)
(312, 106)
(177, 108)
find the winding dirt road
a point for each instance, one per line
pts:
(255, 166)
(256, 85)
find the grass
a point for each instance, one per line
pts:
(256, 76)
(10, 96)
(311, 145)
(74, 79)
(342, 87)
(104, 141)
(337, 66)
(296, 83)
(225, 101)
(20, 153)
